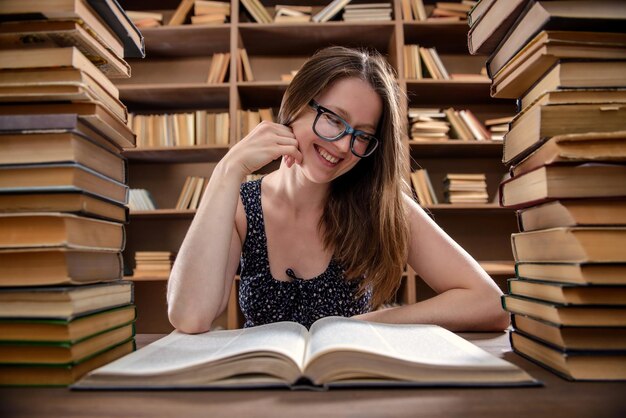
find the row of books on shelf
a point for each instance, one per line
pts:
(200, 12)
(64, 307)
(414, 10)
(421, 63)
(204, 128)
(427, 124)
(181, 129)
(457, 188)
(304, 13)
(566, 152)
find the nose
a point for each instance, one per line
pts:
(343, 144)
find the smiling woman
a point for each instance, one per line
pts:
(329, 232)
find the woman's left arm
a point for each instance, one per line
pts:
(467, 298)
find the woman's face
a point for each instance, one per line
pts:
(358, 104)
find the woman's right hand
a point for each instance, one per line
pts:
(264, 144)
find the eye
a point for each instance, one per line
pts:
(365, 138)
(332, 120)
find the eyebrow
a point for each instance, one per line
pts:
(341, 112)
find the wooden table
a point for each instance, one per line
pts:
(558, 398)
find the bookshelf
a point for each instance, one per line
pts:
(172, 78)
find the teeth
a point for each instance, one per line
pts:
(327, 156)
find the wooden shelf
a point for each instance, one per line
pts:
(447, 37)
(174, 96)
(173, 79)
(195, 154)
(163, 214)
(306, 38)
(186, 40)
(456, 148)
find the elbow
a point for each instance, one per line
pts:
(497, 318)
(500, 320)
(188, 322)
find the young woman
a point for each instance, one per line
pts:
(329, 232)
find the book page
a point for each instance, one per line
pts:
(179, 351)
(425, 344)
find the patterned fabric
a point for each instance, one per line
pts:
(263, 299)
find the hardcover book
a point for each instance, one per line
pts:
(60, 374)
(64, 302)
(335, 352)
(573, 212)
(58, 266)
(567, 315)
(571, 338)
(572, 365)
(576, 273)
(554, 182)
(571, 244)
(548, 47)
(49, 230)
(589, 16)
(63, 330)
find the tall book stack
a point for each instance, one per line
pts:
(565, 62)
(64, 309)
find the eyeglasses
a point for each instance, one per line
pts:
(331, 127)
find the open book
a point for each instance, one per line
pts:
(335, 352)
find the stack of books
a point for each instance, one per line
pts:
(180, 129)
(465, 188)
(64, 309)
(498, 127)
(210, 12)
(428, 124)
(566, 150)
(153, 264)
(367, 12)
(452, 11)
(204, 13)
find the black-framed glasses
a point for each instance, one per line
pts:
(331, 127)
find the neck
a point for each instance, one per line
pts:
(296, 191)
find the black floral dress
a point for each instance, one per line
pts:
(263, 299)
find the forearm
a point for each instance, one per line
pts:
(455, 309)
(198, 280)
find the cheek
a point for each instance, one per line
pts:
(302, 131)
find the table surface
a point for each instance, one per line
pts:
(557, 398)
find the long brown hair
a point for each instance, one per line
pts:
(364, 221)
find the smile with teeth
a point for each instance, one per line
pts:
(328, 157)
